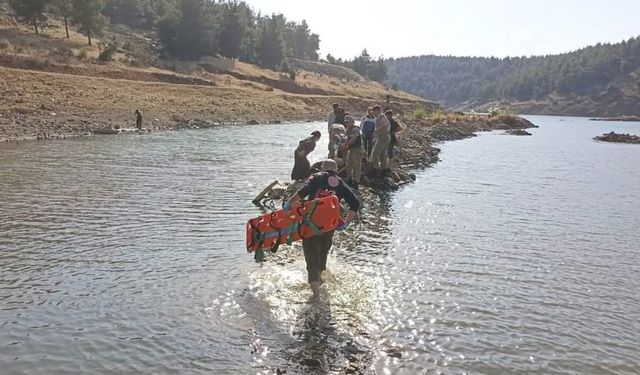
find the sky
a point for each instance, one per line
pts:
(500, 28)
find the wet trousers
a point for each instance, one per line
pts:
(316, 250)
(354, 164)
(379, 156)
(301, 168)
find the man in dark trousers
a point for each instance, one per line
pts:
(138, 115)
(316, 249)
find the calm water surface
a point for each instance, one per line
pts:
(513, 255)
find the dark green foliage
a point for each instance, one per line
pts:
(63, 8)
(31, 11)
(300, 42)
(191, 29)
(185, 32)
(286, 68)
(453, 80)
(88, 18)
(375, 70)
(126, 12)
(107, 48)
(235, 20)
(271, 44)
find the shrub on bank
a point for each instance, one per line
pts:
(107, 48)
(4, 45)
(420, 114)
(82, 55)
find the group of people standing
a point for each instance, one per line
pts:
(350, 145)
(372, 141)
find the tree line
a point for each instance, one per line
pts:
(365, 65)
(187, 29)
(589, 71)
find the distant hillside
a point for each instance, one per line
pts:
(602, 80)
(54, 86)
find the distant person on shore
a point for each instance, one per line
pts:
(368, 126)
(387, 104)
(138, 116)
(331, 118)
(316, 249)
(394, 128)
(355, 153)
(380, 154)
(301, 166)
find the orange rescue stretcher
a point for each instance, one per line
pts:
(305, 220)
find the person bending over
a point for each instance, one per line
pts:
(301, 166)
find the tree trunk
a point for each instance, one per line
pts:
(66, 26)
(35, 24)
(89, 36)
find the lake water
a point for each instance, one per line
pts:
(514, 255)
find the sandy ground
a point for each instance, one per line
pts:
(40, 105)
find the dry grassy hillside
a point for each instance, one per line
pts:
(52, 86)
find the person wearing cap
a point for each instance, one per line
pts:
(316, 249)
(355, 152)
(379, 156)
(301, 166)
(337, 137)
(386, 106)
(394, 128)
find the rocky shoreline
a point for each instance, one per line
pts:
(619, 118)
(417, 149)
(618, 138)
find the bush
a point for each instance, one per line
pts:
(420, 114)
(62, 53)
(135, 63)
(4, 44)
(82, 55)
(107, 48)
(286, 68)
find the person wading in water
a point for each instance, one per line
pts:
(301, 166)
(138, 116)
(316, 249)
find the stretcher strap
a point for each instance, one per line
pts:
(260, 237)
(256, 235)
(307, 218)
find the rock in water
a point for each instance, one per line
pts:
(618, 138)
(517, 132)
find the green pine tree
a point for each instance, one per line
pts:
(64, 9)
(271, 45)
(88, 18)
(31, 11)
